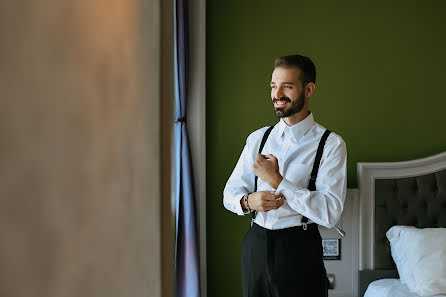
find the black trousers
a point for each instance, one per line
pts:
(283, 263)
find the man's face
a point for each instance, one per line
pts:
(287, 91)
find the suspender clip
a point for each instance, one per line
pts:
(252, 221)
(304, 226)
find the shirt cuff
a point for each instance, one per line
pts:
(237, 207)
(287, 189)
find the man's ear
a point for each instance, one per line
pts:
(309, 89)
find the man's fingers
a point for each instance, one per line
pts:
(268, 200)
(279, 197)
(270, 197)
(260, 157)
(268, 205)
(271, 156)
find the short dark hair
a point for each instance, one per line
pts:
(303, 63)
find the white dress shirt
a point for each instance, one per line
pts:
(295, 148)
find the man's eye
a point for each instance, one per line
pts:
(287, 87)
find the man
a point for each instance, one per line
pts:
(282, 251)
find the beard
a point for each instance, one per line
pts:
(296, 106)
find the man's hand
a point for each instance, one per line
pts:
(267, 168)
(265, 201)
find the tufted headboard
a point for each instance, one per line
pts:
(418, 201)
(409, 193)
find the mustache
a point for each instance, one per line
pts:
(282, 98)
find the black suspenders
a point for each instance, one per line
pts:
(313, 176)
(262, 144)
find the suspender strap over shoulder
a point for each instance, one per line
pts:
(262, 144)
(317, 162)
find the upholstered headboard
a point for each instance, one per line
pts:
(409, 193)
(418, 201)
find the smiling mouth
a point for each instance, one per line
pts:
(280, 103)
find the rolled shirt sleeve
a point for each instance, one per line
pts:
(323, 206)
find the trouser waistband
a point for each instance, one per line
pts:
(259, 229)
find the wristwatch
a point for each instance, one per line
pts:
(248, 209)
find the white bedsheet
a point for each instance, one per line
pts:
(390, 288)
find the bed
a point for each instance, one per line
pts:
(409, 195)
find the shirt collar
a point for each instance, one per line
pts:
(298, 129)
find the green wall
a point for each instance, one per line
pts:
(380, 85)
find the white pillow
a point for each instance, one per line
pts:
(420, 257)
(398, 237)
